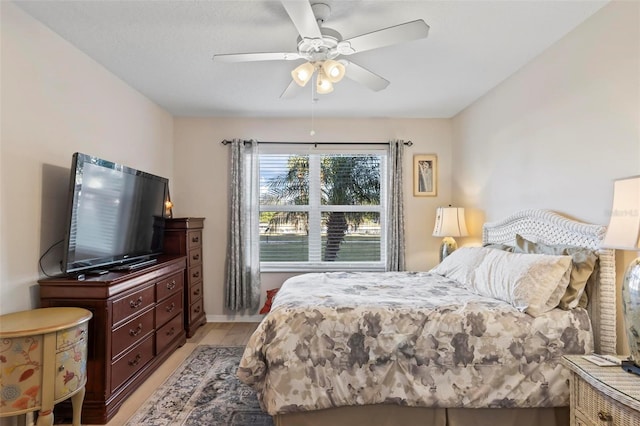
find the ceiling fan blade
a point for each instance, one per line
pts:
(413, 30)
(290, 91)
(363, 76)
(252, 57)
(303, 18)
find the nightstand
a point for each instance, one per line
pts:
(602, 395)
(43, 357)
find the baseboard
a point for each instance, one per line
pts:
(234, 318)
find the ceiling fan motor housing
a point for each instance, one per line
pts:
(320, 49)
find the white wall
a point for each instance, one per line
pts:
(55, 100)
(555, 134)
(201, 181)
(558, 132)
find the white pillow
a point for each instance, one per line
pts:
(532, 283)
(461, 264)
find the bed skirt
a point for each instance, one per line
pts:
(394, 415)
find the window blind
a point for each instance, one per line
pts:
(322, 210)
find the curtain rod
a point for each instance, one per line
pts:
(407, 143)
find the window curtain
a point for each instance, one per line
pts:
(243, 251)
(395, 221)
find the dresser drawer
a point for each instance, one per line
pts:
(168, 308)
(195, 292)
(195, 274)
(131, 362)
(131, 333)
(195, 309)
(133, 304)
(598, 409)
(169, 285)
(168, 332)
(195, 256)
(194, 239)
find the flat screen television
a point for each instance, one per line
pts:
(115, 216)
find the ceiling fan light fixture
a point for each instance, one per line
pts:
(323, 84)
(333, 70)
(303, 73)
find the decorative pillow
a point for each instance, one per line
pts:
(498, 246)
(529, 282)
(583, 265)
(267, 304)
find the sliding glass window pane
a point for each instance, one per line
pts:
(284, 179)
(352, 179)
(284, 237)
(350, 236)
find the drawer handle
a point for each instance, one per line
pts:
(61, 368)
(195, 239)
(195, 256)
(171, 285)
(135, 361)
(196, 274)
(135, 332)
(196, 292)
(605, 417)
(136, 304)
(197, 309)
(171, 332)
(171, 307)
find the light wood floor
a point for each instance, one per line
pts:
(221, 334)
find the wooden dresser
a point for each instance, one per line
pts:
(602, 395)
(183, 236)
(137, 323)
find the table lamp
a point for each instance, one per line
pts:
(623, 233)
(449, 223)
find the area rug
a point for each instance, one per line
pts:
(204, 390)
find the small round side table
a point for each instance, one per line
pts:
(43, 361)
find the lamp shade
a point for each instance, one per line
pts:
(450, 222)
(623, 231)
(333, 70)
(323, 84)
(303, 73)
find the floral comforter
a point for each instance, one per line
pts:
(407, 338)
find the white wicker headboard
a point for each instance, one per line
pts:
(551, 228)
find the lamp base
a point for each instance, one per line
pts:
(447, 247)
(631, 310)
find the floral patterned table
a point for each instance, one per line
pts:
(43, 361)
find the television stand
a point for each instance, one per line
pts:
(138, 322)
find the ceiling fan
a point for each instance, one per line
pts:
(323, 49)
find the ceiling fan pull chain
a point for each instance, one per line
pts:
(313, 104)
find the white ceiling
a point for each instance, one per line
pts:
(164, 49)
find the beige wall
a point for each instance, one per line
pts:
(55, 101)
(555, 134)
(201, 180)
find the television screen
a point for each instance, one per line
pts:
(115, 214)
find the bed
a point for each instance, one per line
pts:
(439, 347)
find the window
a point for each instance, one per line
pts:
(322, 210)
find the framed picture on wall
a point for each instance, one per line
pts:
(425, 175)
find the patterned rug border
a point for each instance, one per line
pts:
(195, 386)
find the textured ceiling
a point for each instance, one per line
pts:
(164, 50)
